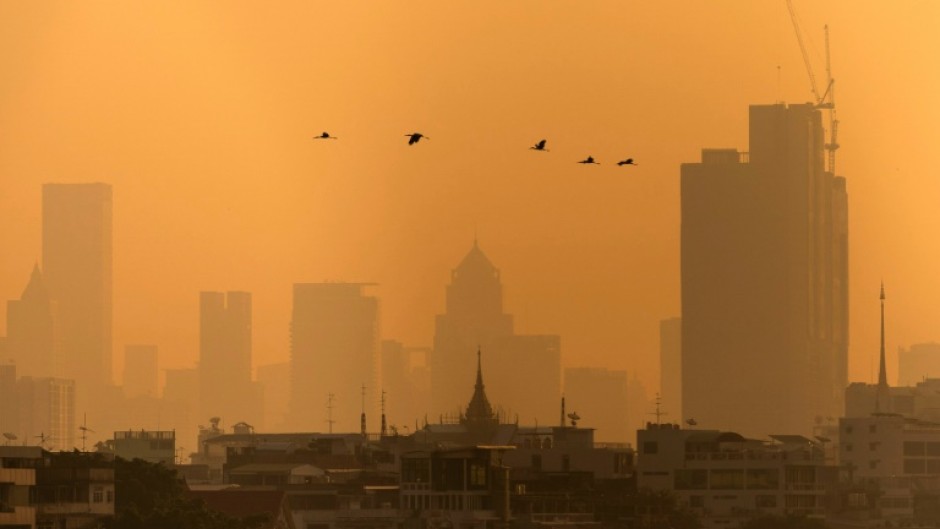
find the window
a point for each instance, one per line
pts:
(914, 466)
(536, 461)
(874, 446)
(650, 447)
(690, 479)
(697, 501)
(726, 478)
(872, 428)
(873, 464)
(97, 495)
(765, 502)
(913, 448)
(565, 463)
(848, 447)
(477, 475)
(110, 496)
(848, 429)
(763, 478)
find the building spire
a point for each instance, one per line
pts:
(479, 383)
(882, 371)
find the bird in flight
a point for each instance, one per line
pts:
(628, 161)
(589, 159)
(540, 146)
(325, 136)
(415, 137)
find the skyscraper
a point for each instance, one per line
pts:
(334, 348)
(764, 260)
(31, 340)
(140, 371)
(670, 367)
(225, 386)
(474, 319)
(76, 264)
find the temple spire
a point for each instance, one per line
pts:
(479, 383)
(882, 371)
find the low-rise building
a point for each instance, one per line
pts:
(727, 479)
(18, 466)
(151, 446)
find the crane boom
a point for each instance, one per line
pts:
(806, 61)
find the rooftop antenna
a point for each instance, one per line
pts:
(384, 429)
(659, 413)
(562, 424)
(362, 416)
(9, 437)
(85, 430)
(329, 410)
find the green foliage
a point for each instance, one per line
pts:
(151, 496)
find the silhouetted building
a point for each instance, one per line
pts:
(919, 362)
(334, 345)
(727, 479)
(474, 318)
(600, 396)
(140, 371)
(76, 265)
(180, 398)
(151, 446)
(31, 332)
(225, 386)
(274, 380)
(764, 265)
(670, 366)
(9, 410)
(405, 381)
(47, 412)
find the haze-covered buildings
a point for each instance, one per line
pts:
(764, 266)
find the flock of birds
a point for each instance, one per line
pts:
(415, 137)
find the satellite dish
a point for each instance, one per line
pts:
(574, 418)
(691, 422)
(9, 436)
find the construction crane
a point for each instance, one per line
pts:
(825, 101)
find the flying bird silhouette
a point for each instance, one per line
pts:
(589, 159)
(540, 146)
(628, 161)
(325, 136)
(415, 137)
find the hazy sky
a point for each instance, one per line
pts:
(201, 115)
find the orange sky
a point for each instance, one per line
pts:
(200, 114)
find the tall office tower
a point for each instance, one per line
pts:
(225, 386)
(47, 412)
(764, 244)
(274, 380)
(599, 397)
(31, 336)
(76, 264)
(670, 367)
(473, 319)
(404, 381)
(534, 397)
(179, 406)
(9, 411)
(919, 362)
(140, 371)
(334, 344)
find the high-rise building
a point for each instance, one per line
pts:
(179, 406)
(225, 386)
(76, 265)
(334, 348)
(917, 363)
(9, 412)
(274, 380)
(404, 381)
(764, 260)
(670, 367)
(31, 336)
(599, 396)
(140, 371)
(474, 319)
(47, 412)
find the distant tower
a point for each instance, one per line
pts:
(31, 336)
(76, 265)
(334, 347)
(764, 279)
(474, 317)
(225, 385)
(882, 395)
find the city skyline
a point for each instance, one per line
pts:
(364, 209)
